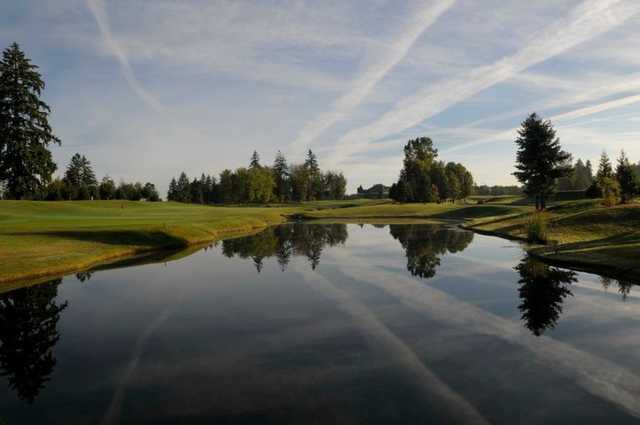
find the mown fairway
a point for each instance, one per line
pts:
(48, 238)
(44, 238)
(53, 237)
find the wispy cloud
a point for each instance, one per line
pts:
(600, 107)
(510, 134)
(102, 19)
(588, 20)
(363, 85)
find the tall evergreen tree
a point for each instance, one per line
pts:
(172, 195)
(626, 178)
(281, 178)
(589, 169)
(540, 159)
(26, 164)
(605, 169)
(314, 182)
(80, 171)
(80, 179)
(255, 161)
(183, 188)
(311, 163)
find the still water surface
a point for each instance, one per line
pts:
(325, 324)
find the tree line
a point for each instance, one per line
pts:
(425, 179)
(80, 184)
(261, 184)
(542, 166)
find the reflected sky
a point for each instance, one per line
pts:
(335, 323)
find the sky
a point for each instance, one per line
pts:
(149, 88)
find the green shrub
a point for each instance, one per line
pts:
(537, 228)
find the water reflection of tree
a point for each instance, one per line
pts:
(283, 242)
(424, 244)
(542, 291)
(84, 276)
(28, 334)
(624, 286)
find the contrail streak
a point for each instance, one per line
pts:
(365, 83)
(585, 22)
(102, 19)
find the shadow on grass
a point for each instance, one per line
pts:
(117, 237)
(614, 256)
(619, 243)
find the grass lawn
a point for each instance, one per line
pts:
(584, 234)
(52, 238)
(42, 238)
(48, 238)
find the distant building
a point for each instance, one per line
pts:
(375, 191)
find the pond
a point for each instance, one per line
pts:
(325, 324)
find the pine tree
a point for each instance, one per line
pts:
(605, 169)
(79, 173)
(540, 159)
(73, 174)
(172, 194)
(311, 163)
(255, 161)
(88, 176)
(281, 177)
(26, 164)
(589, 170)
(314, 179)
(183, 189)
(626, 178)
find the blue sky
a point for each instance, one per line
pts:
(149, 88)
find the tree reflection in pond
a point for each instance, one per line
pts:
(624, 286)
(542, 291)
(424, 244)
(28, 334)
(283, 242)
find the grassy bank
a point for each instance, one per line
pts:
(582, 234)
(52, 238)
(46, 238)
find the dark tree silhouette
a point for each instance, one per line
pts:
(26, 164)
(542, 291)
(284, 242)
(624, 288)
(627, 178)
(28, 334)
(84, 276)
(425, 179)
(424, 245)
(540, 160)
